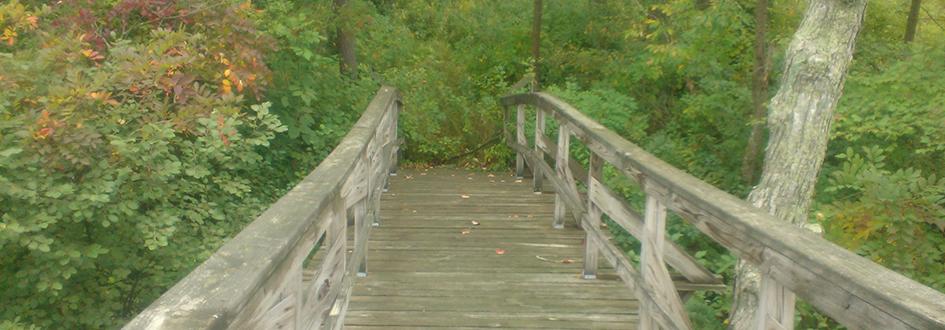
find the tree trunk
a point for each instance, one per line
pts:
(702, 4)
(799, 121)
(536, 43)
(759, 93)
(345, 42)
(913, 20)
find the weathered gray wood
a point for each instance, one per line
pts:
(656, 280)
(256, 279)
(776, 306)
(563, 172)
(851, 289)
(429, 275)
(576, 169)
(539, 136)
(620, 212)
(520, 138)
(591, 246)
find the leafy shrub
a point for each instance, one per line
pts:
(127, 152)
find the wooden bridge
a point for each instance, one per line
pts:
(355, 245)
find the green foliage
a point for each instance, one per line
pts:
(309, 96)
(127, 155)
(894, 217)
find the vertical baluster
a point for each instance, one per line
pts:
(360, 210)
(561, 165)
(775, 306)
(520, 139)
(651, 253)
(591, 245)
(395, 114)
(539, 155)
(662, 297)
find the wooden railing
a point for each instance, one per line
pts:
(851, 289)
(289, 269)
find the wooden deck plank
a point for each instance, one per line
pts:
(431, 266)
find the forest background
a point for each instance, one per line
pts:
(136, 136)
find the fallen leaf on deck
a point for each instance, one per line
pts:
(567, 261)
(499, 251)
(424, 173)
(491, 175)
(518, 181)
(466, 231)
(464, 196)
(475, 223)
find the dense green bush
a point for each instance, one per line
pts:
(128, 152)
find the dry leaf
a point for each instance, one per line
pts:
(464, 196)
(491, 175)
(567, 261)
(499, 251)
(475, 223)
(424, 173)
(466, 231)
(518, 181)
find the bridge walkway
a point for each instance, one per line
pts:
(469, 249)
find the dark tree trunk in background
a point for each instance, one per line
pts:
(799, 121)
(702, 4)
(536, 43)
(913, 20)
(345, 41)
(759, 94)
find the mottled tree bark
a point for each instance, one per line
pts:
(346, 42)
(799, 120)
(536, 44)
(759, 93)
(913, 21)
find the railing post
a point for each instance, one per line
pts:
(775, 306)
(661, 295)
(360, 210)
(561, 165)
(395, 113)
(520, 139)
(591, 245)
(539, 154)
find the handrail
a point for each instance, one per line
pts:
(853, 290)
(256, 279)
